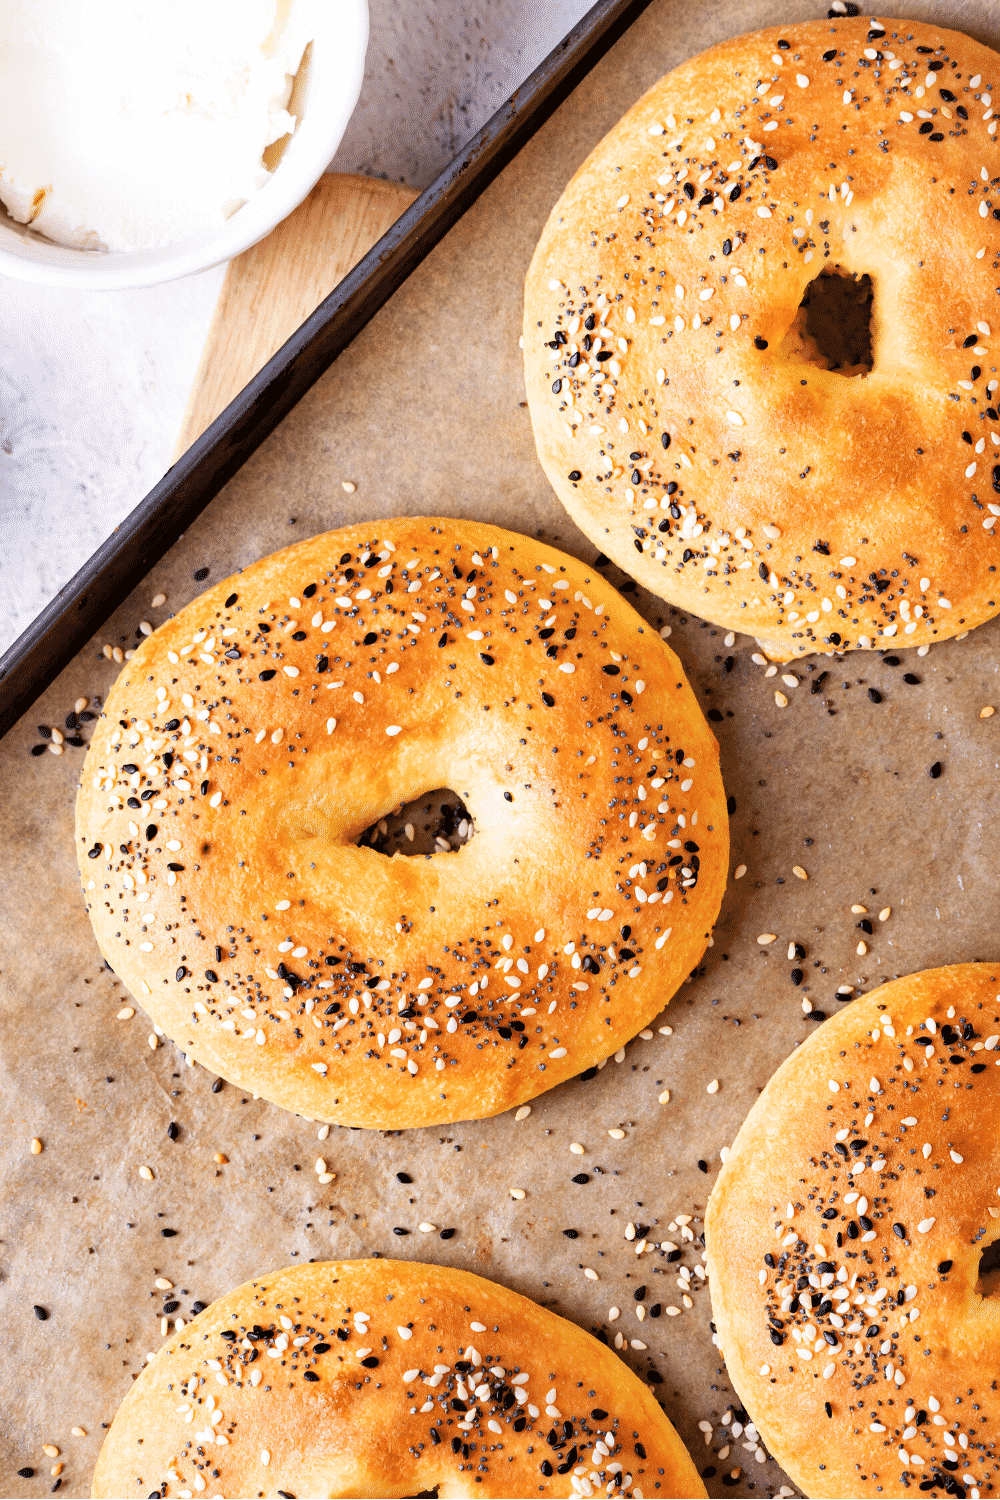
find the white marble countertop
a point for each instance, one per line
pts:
(93, 385)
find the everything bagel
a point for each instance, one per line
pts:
(845, 1238)
(256, 735)
(760, 337)
(380, 1377)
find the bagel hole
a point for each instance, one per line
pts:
(832, 329)
(988, 1284)
(436, 823)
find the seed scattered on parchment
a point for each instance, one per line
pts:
(222, 1160)
(145, 627)
(987, 712)
(523, 1112)
(799, 873)
(859, 911)
(36, 1147)
(861, 950)
(80, 705)
(766, 937)
(78, 1431)
(885, 914)
(665, 1097)
(781, 700)
(57, 1468)
(590, 1275)
(146, 1173)
(157, 600)
(517, 1193)
(739, 872)
(713, 1087)
(576, 1148)
(348, 486)
(426, 1228)
(125, 1014)
(50, 1450)
(617, 1135)
(163, 1285)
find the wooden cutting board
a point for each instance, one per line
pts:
(273, 287)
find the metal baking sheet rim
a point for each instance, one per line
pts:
(83, 604)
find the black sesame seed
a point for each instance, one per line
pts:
(446, 1234)
(935, 770)
(944, 1267)
(580, 1177)
(231, 600)
(403, 1177)
(173, 1130)
(571, 1234)
(201, 573)
(398, 1230)
(370, 1363)
(26, 1473)
(311, 1375)
(574, 475)
(369, 639)
(266, 676)
(211, 976)
(760, 343)
(40, 1313)
(168, 1234)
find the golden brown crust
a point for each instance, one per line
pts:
(410, 990)
(814, 510)
(909, 1369)
(363, 1424)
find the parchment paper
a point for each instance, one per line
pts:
(425, 413)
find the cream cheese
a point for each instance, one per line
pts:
(128, 124)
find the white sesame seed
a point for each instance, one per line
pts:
(713, 1087)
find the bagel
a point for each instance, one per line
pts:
(560, 1415)
(871, 1164)
(683, 410)
(255, 736)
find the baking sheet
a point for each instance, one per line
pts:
(425, 414)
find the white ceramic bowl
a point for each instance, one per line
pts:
(325, 93)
